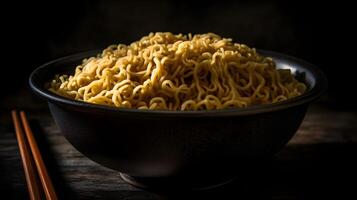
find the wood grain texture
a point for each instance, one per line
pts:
(317, 162)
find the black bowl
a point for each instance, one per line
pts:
(192, 149)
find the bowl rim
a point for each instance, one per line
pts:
(319, 88)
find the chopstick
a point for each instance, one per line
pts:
(40, 165)
(29, 166)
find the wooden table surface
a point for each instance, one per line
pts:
(318, 162)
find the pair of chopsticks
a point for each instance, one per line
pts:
(32, 161)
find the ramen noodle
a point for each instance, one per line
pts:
(164, 71)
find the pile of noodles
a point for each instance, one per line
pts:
(179, 72)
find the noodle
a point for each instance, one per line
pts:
(179, 72)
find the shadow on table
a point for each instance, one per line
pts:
(298, 172)
(62, 189)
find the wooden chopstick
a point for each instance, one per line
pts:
(41, 168)
(28, 164)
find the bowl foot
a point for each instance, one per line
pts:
(166, 184)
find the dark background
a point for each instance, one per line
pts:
(320, 32)
(37, 32)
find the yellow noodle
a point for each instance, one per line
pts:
(179, 72)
